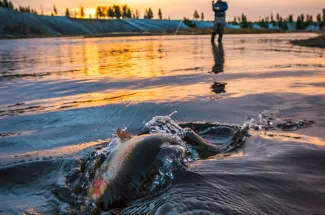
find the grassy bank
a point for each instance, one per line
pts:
(203, 31)
(15, 24)
(316, 42)
(189, 31)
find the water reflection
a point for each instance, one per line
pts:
(218, 67)
(69, 73)
(69, 94)
(219, 58)
(218, 87)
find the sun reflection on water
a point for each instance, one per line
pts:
(72, 73)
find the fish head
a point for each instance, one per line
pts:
(124, 135)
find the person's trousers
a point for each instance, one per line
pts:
(218, 28)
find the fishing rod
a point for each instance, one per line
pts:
(178, 26)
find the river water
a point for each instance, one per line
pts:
(61, 97)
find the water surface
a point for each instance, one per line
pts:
(59, 97)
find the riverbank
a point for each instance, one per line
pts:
(206, 31)
(315, 42)
(203, 31)
(18, 25)
(15, 24)
(189, 31)
(199, 31)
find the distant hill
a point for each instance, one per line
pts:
(15, 24)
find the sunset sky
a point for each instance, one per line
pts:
(176, 9)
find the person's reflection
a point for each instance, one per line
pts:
(218, 88)
(219, 58)
(219, 61)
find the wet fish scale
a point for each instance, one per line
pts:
(125, 169)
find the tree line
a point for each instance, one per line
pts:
(10, 5)
(114, 11)
(124, 11)
(27, 10)
(197, 16)
(6, 4)
(302, 21)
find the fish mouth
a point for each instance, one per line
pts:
(97, 189)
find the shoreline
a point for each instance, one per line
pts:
(27, 26)
(314, 42)
(190, 31)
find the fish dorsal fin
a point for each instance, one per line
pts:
(124, 135)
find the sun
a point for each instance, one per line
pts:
(90, 12)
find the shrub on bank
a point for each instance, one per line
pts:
(189, 23)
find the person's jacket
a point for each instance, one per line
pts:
(223, 7)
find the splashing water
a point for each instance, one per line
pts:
(169, 160)
(175, 159)
(270, 120)
(165, 125)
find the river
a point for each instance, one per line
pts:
(61, 97)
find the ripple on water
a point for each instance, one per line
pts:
(73, 91)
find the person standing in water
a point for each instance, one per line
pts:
(219, 9)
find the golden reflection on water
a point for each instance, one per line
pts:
(287, 136)
(114, 61)
(163, 69)
(201, 91)
(51, 153)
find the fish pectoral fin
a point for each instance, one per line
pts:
(124, 135)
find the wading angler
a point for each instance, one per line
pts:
(219, 8)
